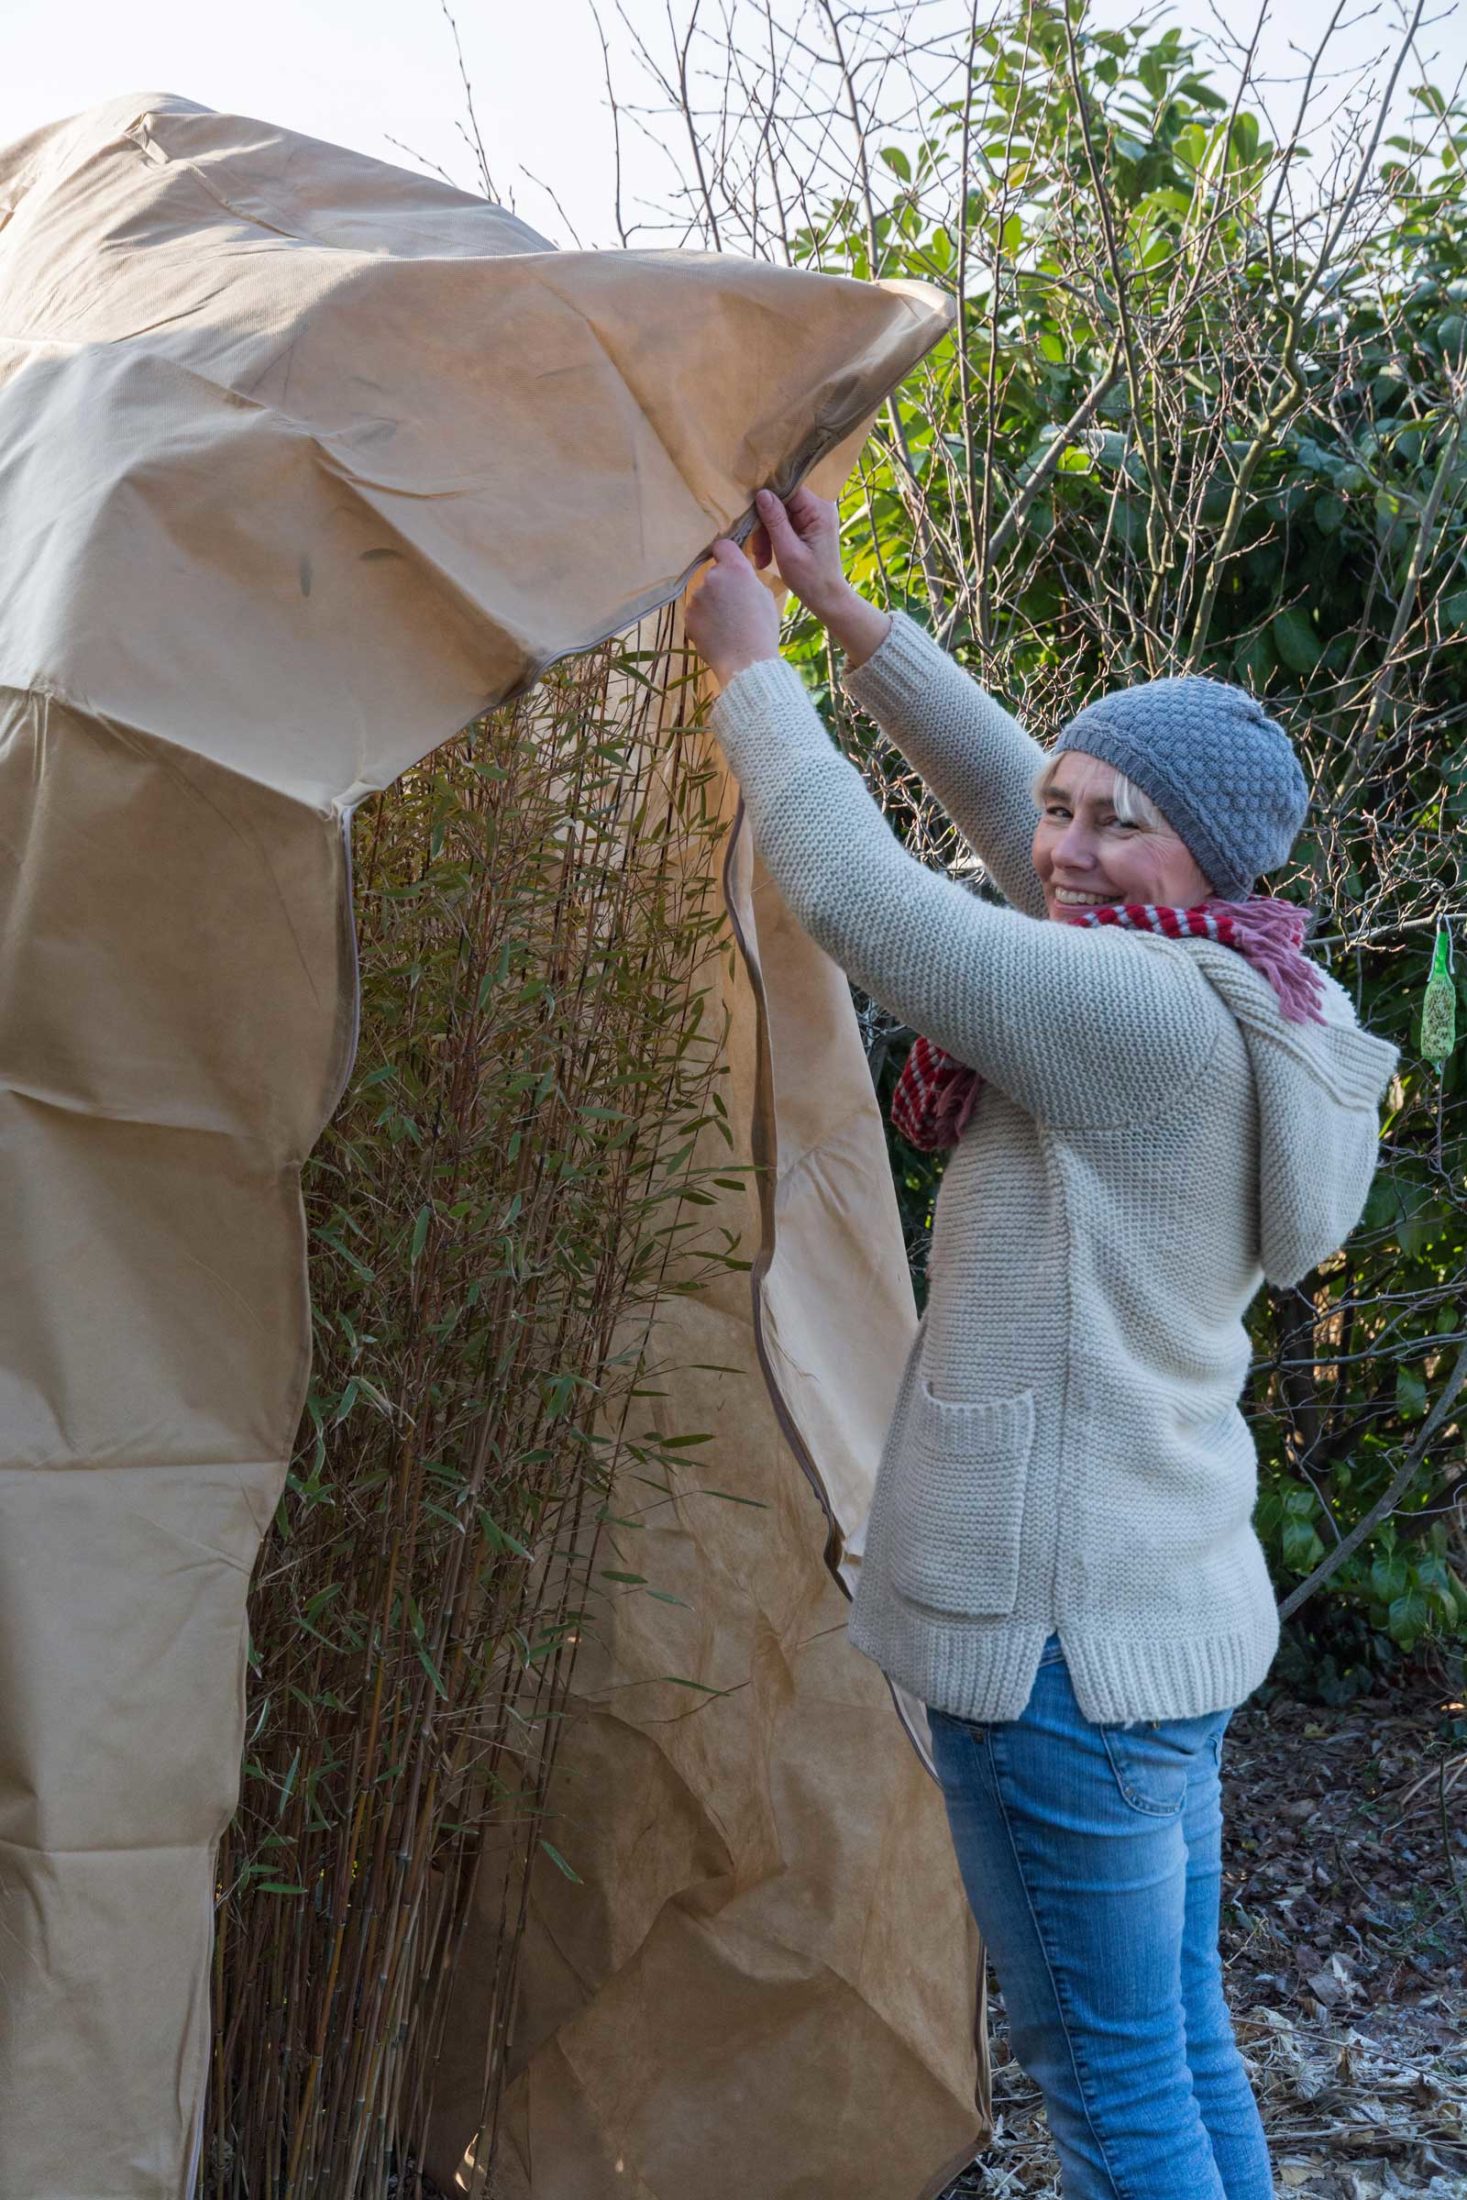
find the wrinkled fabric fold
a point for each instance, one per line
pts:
(304, 462)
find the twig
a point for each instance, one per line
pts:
(1386, 1505)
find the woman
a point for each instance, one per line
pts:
(1060, 1560)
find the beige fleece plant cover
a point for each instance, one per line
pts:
(305, 460)
(764, 1982)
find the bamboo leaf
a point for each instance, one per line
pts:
(559, 1861)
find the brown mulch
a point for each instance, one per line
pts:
(1344, 1938)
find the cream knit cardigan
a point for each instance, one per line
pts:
(1152, 1140)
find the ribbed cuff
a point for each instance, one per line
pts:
(896, 676)
(769, 694)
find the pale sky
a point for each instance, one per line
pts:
(365, 72)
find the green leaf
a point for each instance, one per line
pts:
(1294, 637)
(1382, 1204)
(559, 1862)
(1255, 661)
(1302, 1547)
(439, 1685)
(1408, 1617)
(1420, 1220)
(897, 162)
(500, 1538)
(420, 1234)
(288, 1784)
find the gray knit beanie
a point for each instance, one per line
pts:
(1220, 770)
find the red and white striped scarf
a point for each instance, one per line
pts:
(935, 1093)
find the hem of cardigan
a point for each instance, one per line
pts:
(986, 1674)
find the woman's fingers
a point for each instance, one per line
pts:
(775, 520)
(731, 618)
(728, 586)
(805, 535)
(807, 511)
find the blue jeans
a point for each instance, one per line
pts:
(1092, 1857)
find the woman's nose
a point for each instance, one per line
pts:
(1074, 846)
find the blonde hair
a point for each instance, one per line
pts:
(1131, 806)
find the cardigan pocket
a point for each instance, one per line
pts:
(959, 1504)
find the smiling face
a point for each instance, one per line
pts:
(1084, 854)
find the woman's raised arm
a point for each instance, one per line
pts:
(1078, 1026)
(978, 761)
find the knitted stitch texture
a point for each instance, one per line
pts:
(935, 1094)
(1066, 1453)
(1222, 773)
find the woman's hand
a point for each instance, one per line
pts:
(732, 620)
(803, 533)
